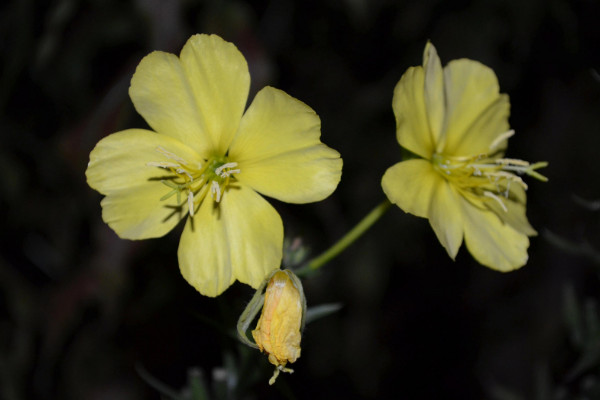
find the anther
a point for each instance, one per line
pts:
(162, 164)
(191, 202)
(224, 174)
(183, 171)
(496, 198)
(227, 174)
(215, 191)
(501, 138)
(170, 155)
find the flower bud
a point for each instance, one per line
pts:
(279, 329)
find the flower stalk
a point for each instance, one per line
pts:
(347, 239)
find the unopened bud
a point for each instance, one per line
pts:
(279, 329)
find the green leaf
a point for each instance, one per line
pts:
(320, 311)
(157, 384)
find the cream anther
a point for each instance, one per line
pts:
(497, 199)
(183, 171)
(162, 164)
(501, 138)
(191, 202)
(170, 155)
(224, 174)
(215, 191)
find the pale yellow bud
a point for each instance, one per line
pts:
(278, 332)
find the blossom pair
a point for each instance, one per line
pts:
(210, 158)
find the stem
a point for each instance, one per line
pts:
(348, 238)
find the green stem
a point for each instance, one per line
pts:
(347, 239)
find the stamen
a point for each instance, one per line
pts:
(531, 171)
(508, 176)
(476, 170)
(170, 155)
(487, 175)
(191, 202)
(507, 190)
(183, 171)
(176, 189)
(227, 174)
(224, 174)
(162, 164)
(274, 377)
(168, 195)
(511, 161)
(500, 138)
(192, 180)
(215, 191)
(498, 200)
(276, 373)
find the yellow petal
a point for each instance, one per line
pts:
(412, 127)
(445, 216)
(517, 192)
(514, 215)
(219, 78)
(513, 212)
(410, 185)
(417, 188)
(279, 152)
(118, 169)
(239, 238)
(435, 102)
(161, 93)
(491, 242)
(476, 113)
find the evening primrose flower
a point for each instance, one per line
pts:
(208, 159)
(455, 123)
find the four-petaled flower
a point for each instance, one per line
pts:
(455, 122)
(207, 158)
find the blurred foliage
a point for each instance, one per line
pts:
(579, 376)
(82, 308)
(583, 248)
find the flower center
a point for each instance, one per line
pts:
(486, 174)
(196, 180)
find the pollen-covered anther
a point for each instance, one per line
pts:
(170, 155)
(498, 176)
(191, 202)
(162, 164)
(225, 170)
(502, 137)
(215, 191)
(183, 171)
(497, 199)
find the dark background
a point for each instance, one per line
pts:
(86, 315)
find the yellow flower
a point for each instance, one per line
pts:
(207, 158)
(278, 331)
(455, 122)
